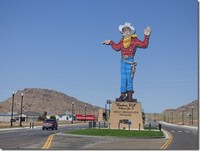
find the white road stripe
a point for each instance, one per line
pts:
(187, 131)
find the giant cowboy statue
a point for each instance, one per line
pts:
(127, 45)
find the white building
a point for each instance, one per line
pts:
(64, 117)
(27, 116)
(6, 117)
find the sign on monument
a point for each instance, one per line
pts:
(126, 115)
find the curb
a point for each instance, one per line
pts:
(183, 126)
(169, 137)
(165, 134)
(17, 128)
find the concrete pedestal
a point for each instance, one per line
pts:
(126, 115)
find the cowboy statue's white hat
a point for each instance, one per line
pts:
(126, 25)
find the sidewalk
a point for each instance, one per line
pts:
(183, 126)
(13, 128)
(28, 127)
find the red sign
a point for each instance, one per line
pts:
(88, 117)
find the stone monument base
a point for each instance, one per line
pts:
(126, 115)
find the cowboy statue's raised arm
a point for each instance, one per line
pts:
(145, 42)
(128, 45)
(147, 31)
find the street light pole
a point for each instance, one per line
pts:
(85, 113)
(11, 120)
(172, 117)
(168, 118)
(109, 102)
(192, 114)
(21, 109)
(164, 118)
(94, 112)
(105, 111)
(182, 116)
(72, 112)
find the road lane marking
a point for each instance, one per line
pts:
(180, 131)
(168, 142)
(48, 142)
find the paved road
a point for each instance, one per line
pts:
(30, 138)
(63, 141)
(35, 139)
(184, 137)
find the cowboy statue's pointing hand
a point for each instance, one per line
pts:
(147, 31)
(107, 42)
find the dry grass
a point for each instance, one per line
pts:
(27, 124)
(16, 124)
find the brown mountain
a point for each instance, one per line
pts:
(184, 114)
(44, 100)
(187, 114)
(187, 108)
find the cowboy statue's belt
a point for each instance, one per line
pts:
(126, 57)
(129, 62)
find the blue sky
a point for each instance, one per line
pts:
(57, 44)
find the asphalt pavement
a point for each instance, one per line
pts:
(34, 139)
(176, 137)
(184, 137)
(69, 141)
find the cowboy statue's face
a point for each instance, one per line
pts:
(126, 32)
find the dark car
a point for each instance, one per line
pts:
(50, 123)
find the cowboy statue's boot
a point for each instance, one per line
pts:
(122, 97)
(129, 97)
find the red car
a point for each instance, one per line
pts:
(50, 123)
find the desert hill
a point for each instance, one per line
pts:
(186, 114)
(44, 100)
(187, 108)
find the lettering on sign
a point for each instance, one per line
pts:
(117, 111)
(123, 106)
(125, 109)
(125, 114)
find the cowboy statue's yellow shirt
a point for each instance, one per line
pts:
(127, 41)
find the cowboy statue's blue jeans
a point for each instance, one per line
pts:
(126, 78)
